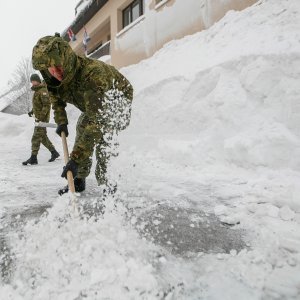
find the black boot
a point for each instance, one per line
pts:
(54, 155)
(79, 184)
(31, 161)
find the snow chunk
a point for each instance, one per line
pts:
(273, 211)
(220, 210)
(286, 213)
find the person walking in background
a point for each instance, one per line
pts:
(41, 106)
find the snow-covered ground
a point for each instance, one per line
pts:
(214, 141)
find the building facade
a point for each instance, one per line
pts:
(132, 30)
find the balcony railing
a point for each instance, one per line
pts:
(100, 51)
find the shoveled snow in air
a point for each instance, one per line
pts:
(208, 205)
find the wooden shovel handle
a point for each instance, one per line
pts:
(66, 156)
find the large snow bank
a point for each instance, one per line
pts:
(228, 96)
(268, 27)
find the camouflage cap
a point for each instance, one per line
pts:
(49, 51)
(35, 77)
(54, 51)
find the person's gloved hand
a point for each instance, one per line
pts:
(62, 128)
(70, 166)
(30, 114)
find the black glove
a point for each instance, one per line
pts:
(30, 114)
(70, 166)
(62, 128)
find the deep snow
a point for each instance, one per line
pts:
(215, 131)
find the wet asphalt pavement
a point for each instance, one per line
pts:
(181, 231)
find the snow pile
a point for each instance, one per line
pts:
(76, 258)
(231, 92)
(218, 112)
(221, 99)
(16, 127)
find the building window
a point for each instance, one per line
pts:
(132, 12)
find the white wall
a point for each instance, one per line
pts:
(158, 27)
(173, 20)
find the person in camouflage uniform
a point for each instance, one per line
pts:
(41, 110)
(98, 90)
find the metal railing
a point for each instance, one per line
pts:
(100, 51)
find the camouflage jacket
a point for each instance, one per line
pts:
(85, 82)
(41, 104)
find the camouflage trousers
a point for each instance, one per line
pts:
(114, 116)
(40, 137)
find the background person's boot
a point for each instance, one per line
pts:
(79, 184)
(54, 155)
(31, 161)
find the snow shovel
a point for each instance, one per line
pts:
(66, 153)
(66, 156)
(69, 173)
(44, 124)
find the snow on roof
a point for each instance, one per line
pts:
(81, 6)
(85, 10)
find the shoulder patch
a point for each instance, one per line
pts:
(45, 94)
